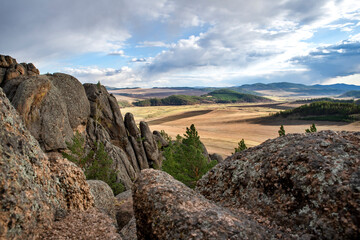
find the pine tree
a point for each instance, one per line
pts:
(184, 158)
(241, 146)
(281, 131)
(312, 129)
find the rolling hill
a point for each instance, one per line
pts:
(353, 94)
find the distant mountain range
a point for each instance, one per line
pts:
(289, 89)
(352, 94)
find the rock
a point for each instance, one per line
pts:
(74, 96)
(2, 74)
(106, 112)
(159, 139)
(296, 181)
(32, 70)
(124, 208)
(216, 157)
(43, 111)
(124, 169)
(103, 197)
(167, 209)
(91, 224)
(150, 146)
(11, 73)
(136, 141)
(33, 189)
(129, 231)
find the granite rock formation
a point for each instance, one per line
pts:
(34, 188)
(308, 183)
(167, 209)
(54, 106)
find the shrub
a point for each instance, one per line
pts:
(95, 162)
(184, 158)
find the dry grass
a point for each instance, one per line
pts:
(221, 127)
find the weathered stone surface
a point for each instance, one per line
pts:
(124, 170)
(129, 231)
(159, 139)
(216, 157)
(124, 208)
(106, 112)
(306, 182)
(167, 209)
(33, 189)
(43, 111)
(91, 224)
(103, 197)
(152, 152)
(74, 96)
(136, 141)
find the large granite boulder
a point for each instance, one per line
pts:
(308, 183)
(167, 209)
(136, 140)
(104, 199)
(32, 188)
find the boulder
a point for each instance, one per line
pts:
(124, 208)
(308, 183)
(160, 140)
(136, 141)
(74, 96)
(104, 199)
(216, 157)
(33, 189)
(151, 148)
(42, 109)
(129, 231)
(167, 209)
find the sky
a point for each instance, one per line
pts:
(172, 43)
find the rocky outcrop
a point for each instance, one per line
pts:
(167, 209)
(32, 188)
(216, 157)
(151, 148)
(54, 106)
(136, 141)
(10, 69)
(104, 199)
(308, 183)
(124, 208)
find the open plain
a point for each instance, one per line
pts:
(222, 126)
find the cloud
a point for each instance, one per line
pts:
(138, 60)
(351, 79)
(117, 53)
(215, 42)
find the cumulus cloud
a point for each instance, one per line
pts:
(203, 42)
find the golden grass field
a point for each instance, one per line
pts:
(222, 126)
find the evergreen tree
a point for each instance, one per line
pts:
(281, 131)
(241, 146)
(184, 158)
(312, 129)
(95, 163)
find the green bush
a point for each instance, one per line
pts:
(184, 158)
(96, 163)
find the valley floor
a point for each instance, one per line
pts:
(221, 127)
